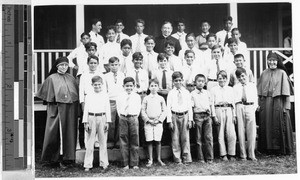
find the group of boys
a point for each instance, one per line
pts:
(139, 88)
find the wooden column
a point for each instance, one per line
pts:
(79, 22)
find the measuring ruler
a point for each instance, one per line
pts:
(17, 100)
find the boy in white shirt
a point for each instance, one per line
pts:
(180, 34)
(114, 81)
(246, 105)
(239, 62)
(175, 63)
(125, 58)
(128, 108)
(119, 31)
(150, 57)
(96, 117)
(180, 119)
(201, 38)
(139, 37)
(94, 33)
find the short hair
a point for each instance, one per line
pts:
(166, 22)
(229, 18)
(92, 57)
(89, 45)
(125, 42)
(235, 29)
(211, 35)
(177, 74)
(231, 41)
(97, 79)
(154, 80)
(239, 71)
(140, 21)
(222, 73)
(239, 56)
(217, 46)
(200, 76)
(205, 21)
(85, 34)
(161, 56)
(170, 43)
(113, 59)
(119, 21)
(180, 20)
(128, 79)
(189, 51)
(190, 35)
(95, 20)
(137, 55)
(149, 38)
(111, 27)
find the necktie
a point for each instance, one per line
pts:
(137, 79)
(164, 80)
(138, 45)
(179, 95)
(226, 38)
(244, 98)
(218, 66)
(118, 38)
(115, 77)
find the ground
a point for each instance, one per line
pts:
(266, 164)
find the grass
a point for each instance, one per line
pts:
(266, 164)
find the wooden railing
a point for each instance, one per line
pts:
(43, 60)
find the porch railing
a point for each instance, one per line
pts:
(43, 60)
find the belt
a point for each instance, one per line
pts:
(96, 114)
(143, 92)
(212, 79)
(128, 115)
(179, 113)
(223, 105)
(245, 103)
(201, 113)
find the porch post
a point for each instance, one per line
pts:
(233, 12)
(79, 22)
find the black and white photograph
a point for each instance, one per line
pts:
(149, 89)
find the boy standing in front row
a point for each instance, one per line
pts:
(246, 104)
(96, 117)
(203, 110)
(180, 119)
(154, 113)
(128, 108)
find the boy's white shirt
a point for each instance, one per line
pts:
(181, 39)
(134, 39)
(250, 90)
(143, 79)
(114, 89)
(159, 73)
(122, 36)
(134, 103)
(175, 63)
(97, 39)
(81, 56)
(109, 50)
(125, 62)
(150, 61)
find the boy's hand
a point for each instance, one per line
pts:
(216, 121)
(156, 121)
(171, 126)
(86, 127)
(189, 125)
(106, 126)
(258, 108)
(234, 119)
(75, 67)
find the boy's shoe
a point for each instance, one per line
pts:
(179, 163)
(209, 161)
(224, 158)
(253, 159)
(104, 167)
(126, 167)
(62, 166)
(87, 169)
(161, 163)
(232, 158)
(135, 167)
(149, 164)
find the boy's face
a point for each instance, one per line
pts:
(166, 29)
(169, 50)
(181, 27)
(97, 86)
(242, 78)
(137, 63)
(228, 25)
(190, 41)
(236, 34)
(85, 39)
(150, 44)
(239, 62)
(91, 51)
(177, 82)
(211, 41)
(190, 88)
(205, 27)
(221, 80)
(233, 47)
(97, 27)
(110, 35)
(153, 87)
(114, 67)
(163, 63)
(139, 28)
(216, 53)
(128, 87)
(119, 27)
(93, 64)
(63, 67)
(126, 49)
(200, 83)
(189, 57)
